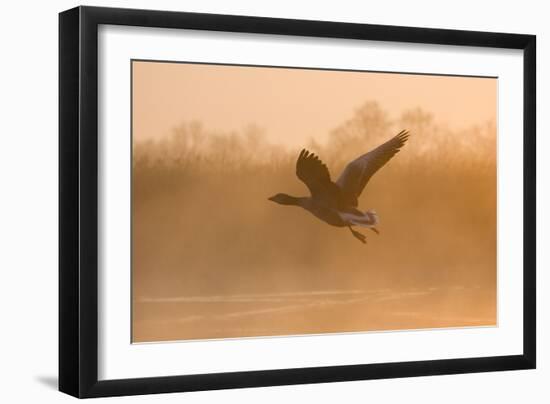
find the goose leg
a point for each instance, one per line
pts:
(359, 236)
(374, 229)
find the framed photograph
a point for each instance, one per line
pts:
(249, 201)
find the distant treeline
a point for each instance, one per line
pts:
(193, 145)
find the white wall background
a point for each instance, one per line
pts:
(28, 203)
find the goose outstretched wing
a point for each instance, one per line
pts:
(357, 173)
(314, 173)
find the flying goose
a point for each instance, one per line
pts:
(336, 202)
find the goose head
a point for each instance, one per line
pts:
(284, 199)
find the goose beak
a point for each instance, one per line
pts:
(271, 199)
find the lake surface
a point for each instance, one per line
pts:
(310, 312)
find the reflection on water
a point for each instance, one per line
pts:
(311, 312)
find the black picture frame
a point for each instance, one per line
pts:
(78, 201)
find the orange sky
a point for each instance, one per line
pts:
(294, 105)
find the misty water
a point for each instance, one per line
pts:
(311, 312)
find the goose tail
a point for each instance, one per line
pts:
(367, 219)
(373, 216)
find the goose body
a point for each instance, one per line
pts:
(336, 202)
